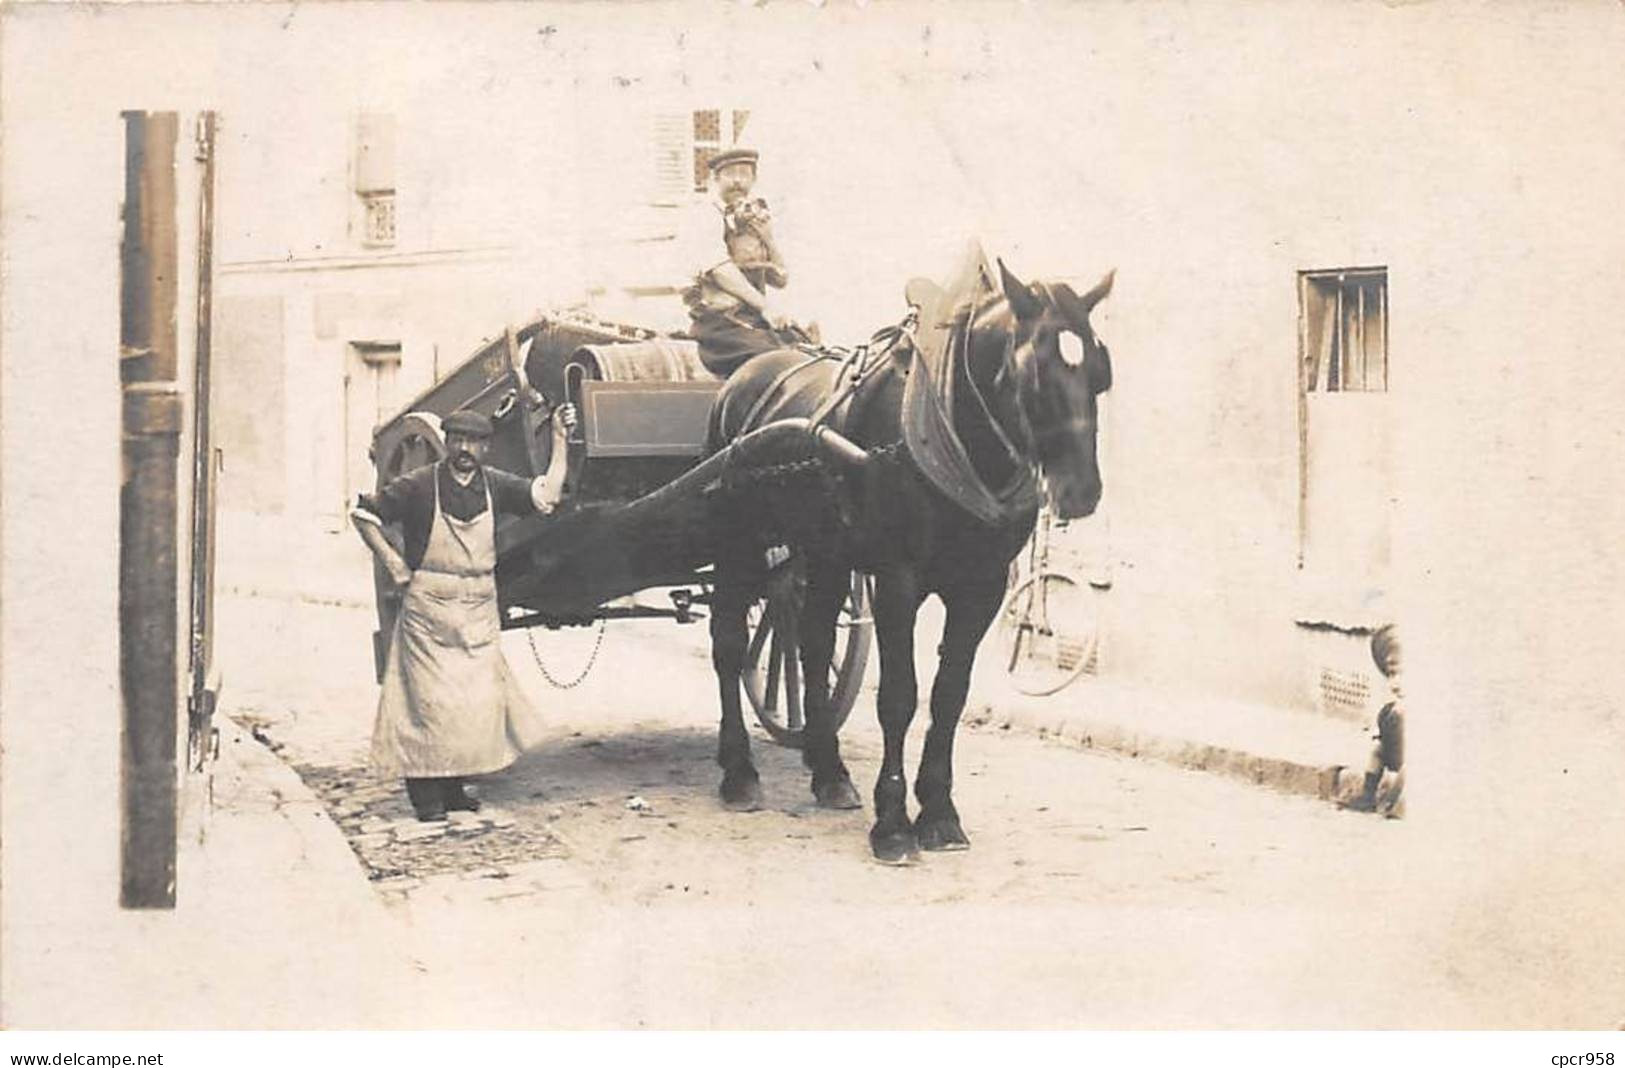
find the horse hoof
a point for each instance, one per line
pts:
(839, 794)
(942, 836)
(894, 847)
(742, 796)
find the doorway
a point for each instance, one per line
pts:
(371, 371)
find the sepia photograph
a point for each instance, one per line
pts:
(812, 516)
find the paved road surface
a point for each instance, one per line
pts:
(603, 885)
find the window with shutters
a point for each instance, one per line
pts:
(1345, 336)
(1345, 447)
(684, 145)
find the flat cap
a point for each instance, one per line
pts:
(469, 423)
(736, 154)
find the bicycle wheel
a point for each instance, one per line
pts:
(1049, 633)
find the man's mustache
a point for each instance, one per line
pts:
(463, 458)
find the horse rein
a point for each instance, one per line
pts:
(1022, 462)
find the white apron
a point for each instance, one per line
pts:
(449, 705)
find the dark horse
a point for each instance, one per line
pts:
(1027, 370)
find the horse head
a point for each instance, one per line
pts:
(1061, 367)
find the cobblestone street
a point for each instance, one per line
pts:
(398, 851)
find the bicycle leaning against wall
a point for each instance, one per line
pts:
(1049, 627)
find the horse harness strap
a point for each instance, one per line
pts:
(771, 393)
(861, 364)
(1020, 492)
(1017, 458)
(857, 367)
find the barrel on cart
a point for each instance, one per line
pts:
(641, 497)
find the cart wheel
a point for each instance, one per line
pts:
(415, 442)
(1049, 633)
(772, 674)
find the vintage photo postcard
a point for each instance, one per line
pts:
(712, 516)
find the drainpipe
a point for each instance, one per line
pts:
(201, 734)
(148, 512)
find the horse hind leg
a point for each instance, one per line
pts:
(741, 787)
(970, 612)
(821, 752)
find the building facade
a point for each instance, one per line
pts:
(1290, 253)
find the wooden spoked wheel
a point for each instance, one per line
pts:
(772, 675)
(417, 442)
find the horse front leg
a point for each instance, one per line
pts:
(741, 785)
(827, 590)
(971, 610)
(897, 601)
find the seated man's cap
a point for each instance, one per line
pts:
(736, 154)
(466, 422)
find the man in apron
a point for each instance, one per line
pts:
(449, 706)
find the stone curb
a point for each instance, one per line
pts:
(1333, 782)
(989, 705)
(304, 815)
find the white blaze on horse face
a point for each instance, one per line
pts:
(1071, 348)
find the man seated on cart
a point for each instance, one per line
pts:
(731, 260)
(449, 706)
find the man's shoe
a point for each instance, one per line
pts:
(426, 799)
(459, 800)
